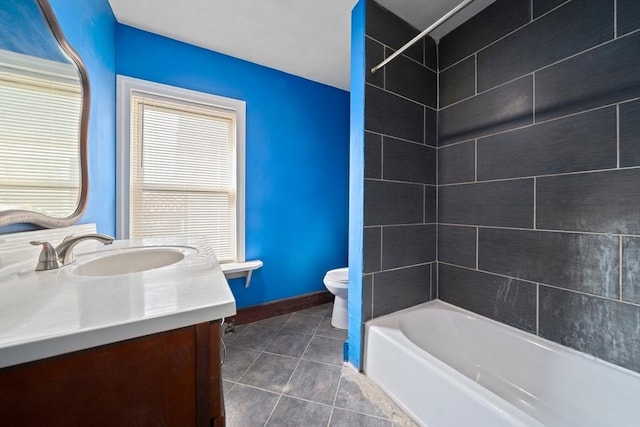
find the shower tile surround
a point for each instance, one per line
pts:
(535, 147)
(400, 167)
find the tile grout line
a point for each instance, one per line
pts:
(475, 77)
(326, 315)
(613, 40)
(373, 288)
(618, 136)
(620, 268)
(282, 393)
(401, 139)
(533, 98)
(615, 19)
(548, 285)
(399, 95)
(538, 309)
(500, 132)
(382, 144)
(535, 202)
(612, 169)
(381, 245)
(475, 144)
(547, 230)
(504, 36)
(477, 247)
(402, 54)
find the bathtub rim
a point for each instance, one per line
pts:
(392, 320)
(455, 379)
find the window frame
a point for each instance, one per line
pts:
(125, 88)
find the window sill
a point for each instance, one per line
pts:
(234, 270)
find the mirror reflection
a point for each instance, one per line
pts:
(41, 100)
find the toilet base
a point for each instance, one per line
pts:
(339, 318)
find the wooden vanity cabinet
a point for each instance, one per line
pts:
(171, 378)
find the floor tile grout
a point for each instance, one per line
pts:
(314, 333)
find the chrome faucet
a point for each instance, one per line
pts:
(52, 258)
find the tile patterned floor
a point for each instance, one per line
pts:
(288, 371)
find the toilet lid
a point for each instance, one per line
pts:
(340, 275)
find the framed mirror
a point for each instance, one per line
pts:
(44, 119)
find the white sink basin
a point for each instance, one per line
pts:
(130, 260)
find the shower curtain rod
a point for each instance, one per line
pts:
(432, 27)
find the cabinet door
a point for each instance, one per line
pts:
(147, 381)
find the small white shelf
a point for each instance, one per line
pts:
(234, 270)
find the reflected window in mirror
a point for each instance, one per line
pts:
(39, 166)
(44, 119)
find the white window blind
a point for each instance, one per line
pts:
(39, 135)
(183, 171)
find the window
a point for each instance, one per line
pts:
(39, 137)
(181, 165)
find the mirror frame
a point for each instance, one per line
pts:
(25, 216)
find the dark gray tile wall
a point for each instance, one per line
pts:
(630, 133)
(457, 163)
(431, 127)
(504, 16)
(457, 245)
(392, 31)
(374, 56)
(394, 290)
(583, 262)
(605, 75)
(372, 249)
(605, 328)
(496, 203)
(430, 206)
(580, 24)
(408, 162)
(628, 16)
(539, 171)
(372, 155)
(582, 142)
(502, 108)
(540, 7)
(411, 79)
(367, 297)
(605, 202)
(408, 245)
(400, 168)
(389, 203)
(389, 114)
(631, 269)
(458, 82)
(501, 298)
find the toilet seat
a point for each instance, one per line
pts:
(339, 275)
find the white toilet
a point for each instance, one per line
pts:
(337, 282)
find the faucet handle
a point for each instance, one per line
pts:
(48, 259)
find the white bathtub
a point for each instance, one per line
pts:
(449, 367)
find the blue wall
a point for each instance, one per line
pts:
(23, 29)
(296, 153)
(296, 158)
(356, 181)
(89, 26)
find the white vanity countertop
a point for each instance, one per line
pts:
(48, 313)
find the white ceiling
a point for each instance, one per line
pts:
(307, 38)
